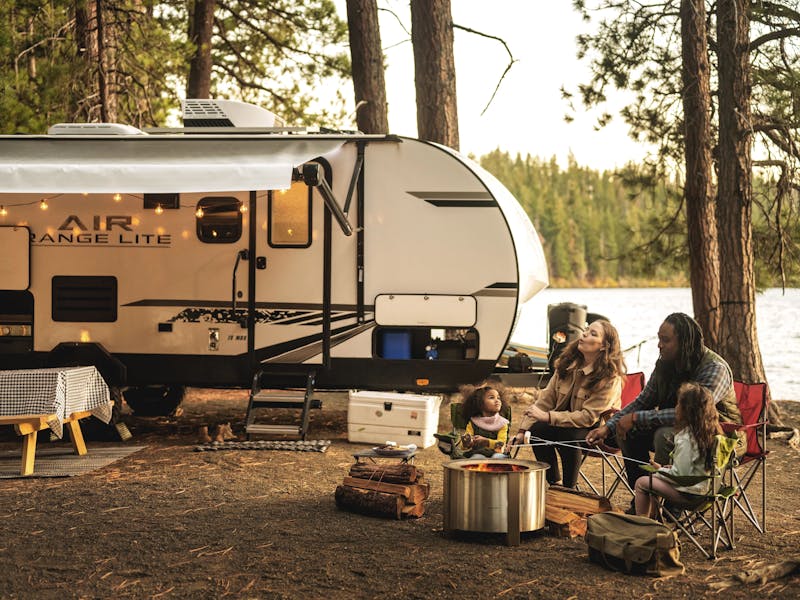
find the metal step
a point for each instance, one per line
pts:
(262, 428)
(270, 396)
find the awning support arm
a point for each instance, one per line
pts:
(354, 179)
(312, 176)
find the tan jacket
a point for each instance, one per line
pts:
(580, 409)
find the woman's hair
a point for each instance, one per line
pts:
(609, 363)
(696, 411)
(473, 400)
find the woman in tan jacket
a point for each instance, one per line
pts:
(587, 383)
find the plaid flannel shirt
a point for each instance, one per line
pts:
(715, 376)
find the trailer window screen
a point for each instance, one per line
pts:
(84, 299)
(219, 220)
(290, 217)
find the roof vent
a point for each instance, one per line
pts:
(227, 113)
(93, 129)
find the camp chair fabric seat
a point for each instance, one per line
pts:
(611, 456)
(753, 402)
(711, 512)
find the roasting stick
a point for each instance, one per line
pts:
(580, 445)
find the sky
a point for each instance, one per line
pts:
(527, 115)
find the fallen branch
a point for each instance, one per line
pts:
(761, 575)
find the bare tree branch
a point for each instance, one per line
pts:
(511, 61)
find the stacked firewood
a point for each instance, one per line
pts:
(396, 491)
(566, 510)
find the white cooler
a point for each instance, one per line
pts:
(380, 417)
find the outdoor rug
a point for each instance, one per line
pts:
(63, 462)
(292, 445)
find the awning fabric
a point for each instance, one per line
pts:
(153, 164)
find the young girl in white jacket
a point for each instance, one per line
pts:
(696, 428)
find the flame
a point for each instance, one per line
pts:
(486, 467)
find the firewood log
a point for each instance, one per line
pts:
(399, 473)
(369, 502)
(581, 503)
(413, 493)
(563, 523)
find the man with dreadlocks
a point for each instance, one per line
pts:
(647, 423)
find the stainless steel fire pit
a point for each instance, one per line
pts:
(495, 496)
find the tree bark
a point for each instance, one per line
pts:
(201, 29)
(434, 71)
(700, 212)
(368, 73)
(738, 341)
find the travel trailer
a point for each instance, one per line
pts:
(233, 250)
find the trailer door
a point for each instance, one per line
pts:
(289, 253)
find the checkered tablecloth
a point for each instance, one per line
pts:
(60, 391)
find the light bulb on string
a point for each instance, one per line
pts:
(243, 208)
(43, 204)
(159, 209)
(199, 213)
(117, 197)
(3, 211)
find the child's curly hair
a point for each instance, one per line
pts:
(696, 410)
(473, 398)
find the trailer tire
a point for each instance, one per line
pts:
(154, 400)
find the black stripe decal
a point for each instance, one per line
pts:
(503, 285)
(241, 306)
(463, 203)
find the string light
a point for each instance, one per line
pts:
(159, 209)
(3, 211)
(117, 197)
(43, 204)
(199, 213)
(242, 208)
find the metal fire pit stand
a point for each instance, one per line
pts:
(513, 536)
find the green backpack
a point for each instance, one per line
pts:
(633, 544)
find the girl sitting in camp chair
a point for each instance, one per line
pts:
(486, 429)
(696, 429)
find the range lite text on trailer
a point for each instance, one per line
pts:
(232, 249)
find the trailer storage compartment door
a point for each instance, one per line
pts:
(15, 258)
(425, 309)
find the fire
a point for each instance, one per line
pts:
(495, 468)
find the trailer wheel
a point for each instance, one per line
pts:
(154, 401)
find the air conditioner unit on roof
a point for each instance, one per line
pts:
(227, 113)
(93, 129)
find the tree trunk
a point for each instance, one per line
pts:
(201, 29)
(434, 71)
(368, 74)
(700, 213)
(738, 341)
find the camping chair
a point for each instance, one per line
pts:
(753, 402)
(712, 512)
(611, 456)
(450, 443)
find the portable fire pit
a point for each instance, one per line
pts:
(494, 496)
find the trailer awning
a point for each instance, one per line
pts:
(154, 164)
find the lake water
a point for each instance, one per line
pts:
(637, 314)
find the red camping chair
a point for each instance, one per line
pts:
(610, 455)
(753, 402)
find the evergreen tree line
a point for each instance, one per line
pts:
(622, 228)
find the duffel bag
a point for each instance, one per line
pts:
(633, 544)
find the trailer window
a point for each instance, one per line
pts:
(219, 220)
(84, 299)
(290, 217)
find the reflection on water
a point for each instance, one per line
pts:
(637, 314)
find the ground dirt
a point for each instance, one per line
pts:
(170, 522)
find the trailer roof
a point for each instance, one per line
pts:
(158, 163)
